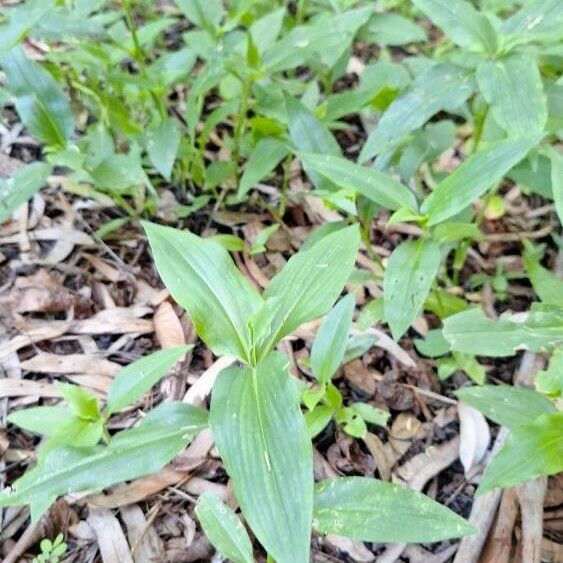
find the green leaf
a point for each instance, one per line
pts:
(163, 141)
(408, 277)
(259, 245)
(387, 28)
(21, 19)
(265, 156)
(206, 14)
(371, 183)
(370, 413)
(434, 345)
(532, 449)
(42, 420)
(307, 286)
(513, 88)
(474, 177)
(78, 433)
(318, 419)
(417, 105)
(550, 380)
(506, 405)
(461, 22)
(474, 333)
(548, 287)
(308, 134)
(536, 20)
(40, 102)
(557, 181)
(130, 454)
(82, 403)
(224, 529)
(331, 339)
(202, 278)
(371, 510)
(19, 188)
(134, 380)
(262, 438)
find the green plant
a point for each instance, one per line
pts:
(51, 551)
(330, 349)
(258, 427)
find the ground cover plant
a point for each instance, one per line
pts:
(301, 259)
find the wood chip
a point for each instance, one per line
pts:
(111, 540)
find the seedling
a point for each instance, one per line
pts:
(255, 417)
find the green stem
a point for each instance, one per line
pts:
(240, 126)
(140, 56)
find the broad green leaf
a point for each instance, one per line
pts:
(40, 102)
(307, 286)
(205, 14)
(421, 100)
(131, 453)
(318, 419)
(371, 510)
(309, 134)
(557, 181)
(512, 86)
(81, 402)
(473, 333)
(371, 414)
(42, 420)
(387, 28)
(224, 529)
(537, 19)
(19, 188)
(434, 345)
(408, 277)
(461, 22)
(331, 339)
(444, 304)
(474, 177)
(202, 278)
(78, 433)
(21, 19)
(548, 287)
(163, 142)
(371, 183)
(532, 449)
(550, 380)
(134, 380)
(506, 405)
(265, 156)
(468, 364)
(262, 438)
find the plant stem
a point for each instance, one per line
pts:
(140, 56)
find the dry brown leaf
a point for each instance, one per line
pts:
(167, 326)
(43, 331)
(23, 388)
(197, 393)
(44, 362)
(378, 451)
(474, 436)
(146, 546)
(111, 540)
(120, 320)
(53, 233)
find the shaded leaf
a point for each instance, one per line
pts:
(263, 440)
(331, 339)
(410, 271)
(513, 88)
(19, 188)
(532, 449)
(307, 286)
(371, 183)
(163, 142)
(131, 453)
(474, 177)
(40, 102)
(421, 100)
(137, 378)
(202, 278)
(223, 528)
(371, 510)
(506, 405)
